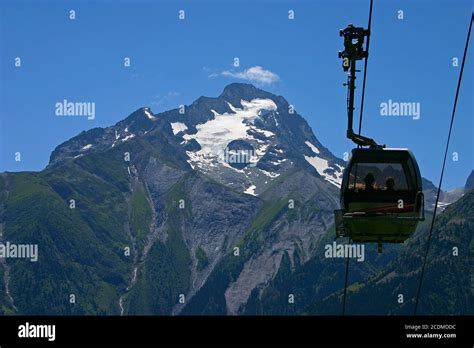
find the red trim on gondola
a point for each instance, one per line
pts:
(393, 209)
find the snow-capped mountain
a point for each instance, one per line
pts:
(243, 168)
(245, 138)
(182, 190)
(250, 138)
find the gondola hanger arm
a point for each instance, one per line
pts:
(353, 51)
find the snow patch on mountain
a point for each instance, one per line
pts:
(178, 127)
(266, 133)
(87, 147)
(251, 190)
(312, 147)
(128, 137)
(262, 149)
(318, 163)
(214, 135)
(149, 114)
(270, 174)
(322, 167)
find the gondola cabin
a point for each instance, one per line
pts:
(381, 196)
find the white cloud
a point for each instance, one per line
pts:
(254, 74)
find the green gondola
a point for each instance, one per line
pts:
(381, 196)
(381, 193)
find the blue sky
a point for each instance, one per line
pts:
(175, 61)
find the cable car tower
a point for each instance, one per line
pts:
(381, 193)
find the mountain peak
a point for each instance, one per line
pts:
(244, 139)
(235, 92)
(240, 87)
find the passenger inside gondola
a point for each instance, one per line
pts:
(390, 184)
(369, 182)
